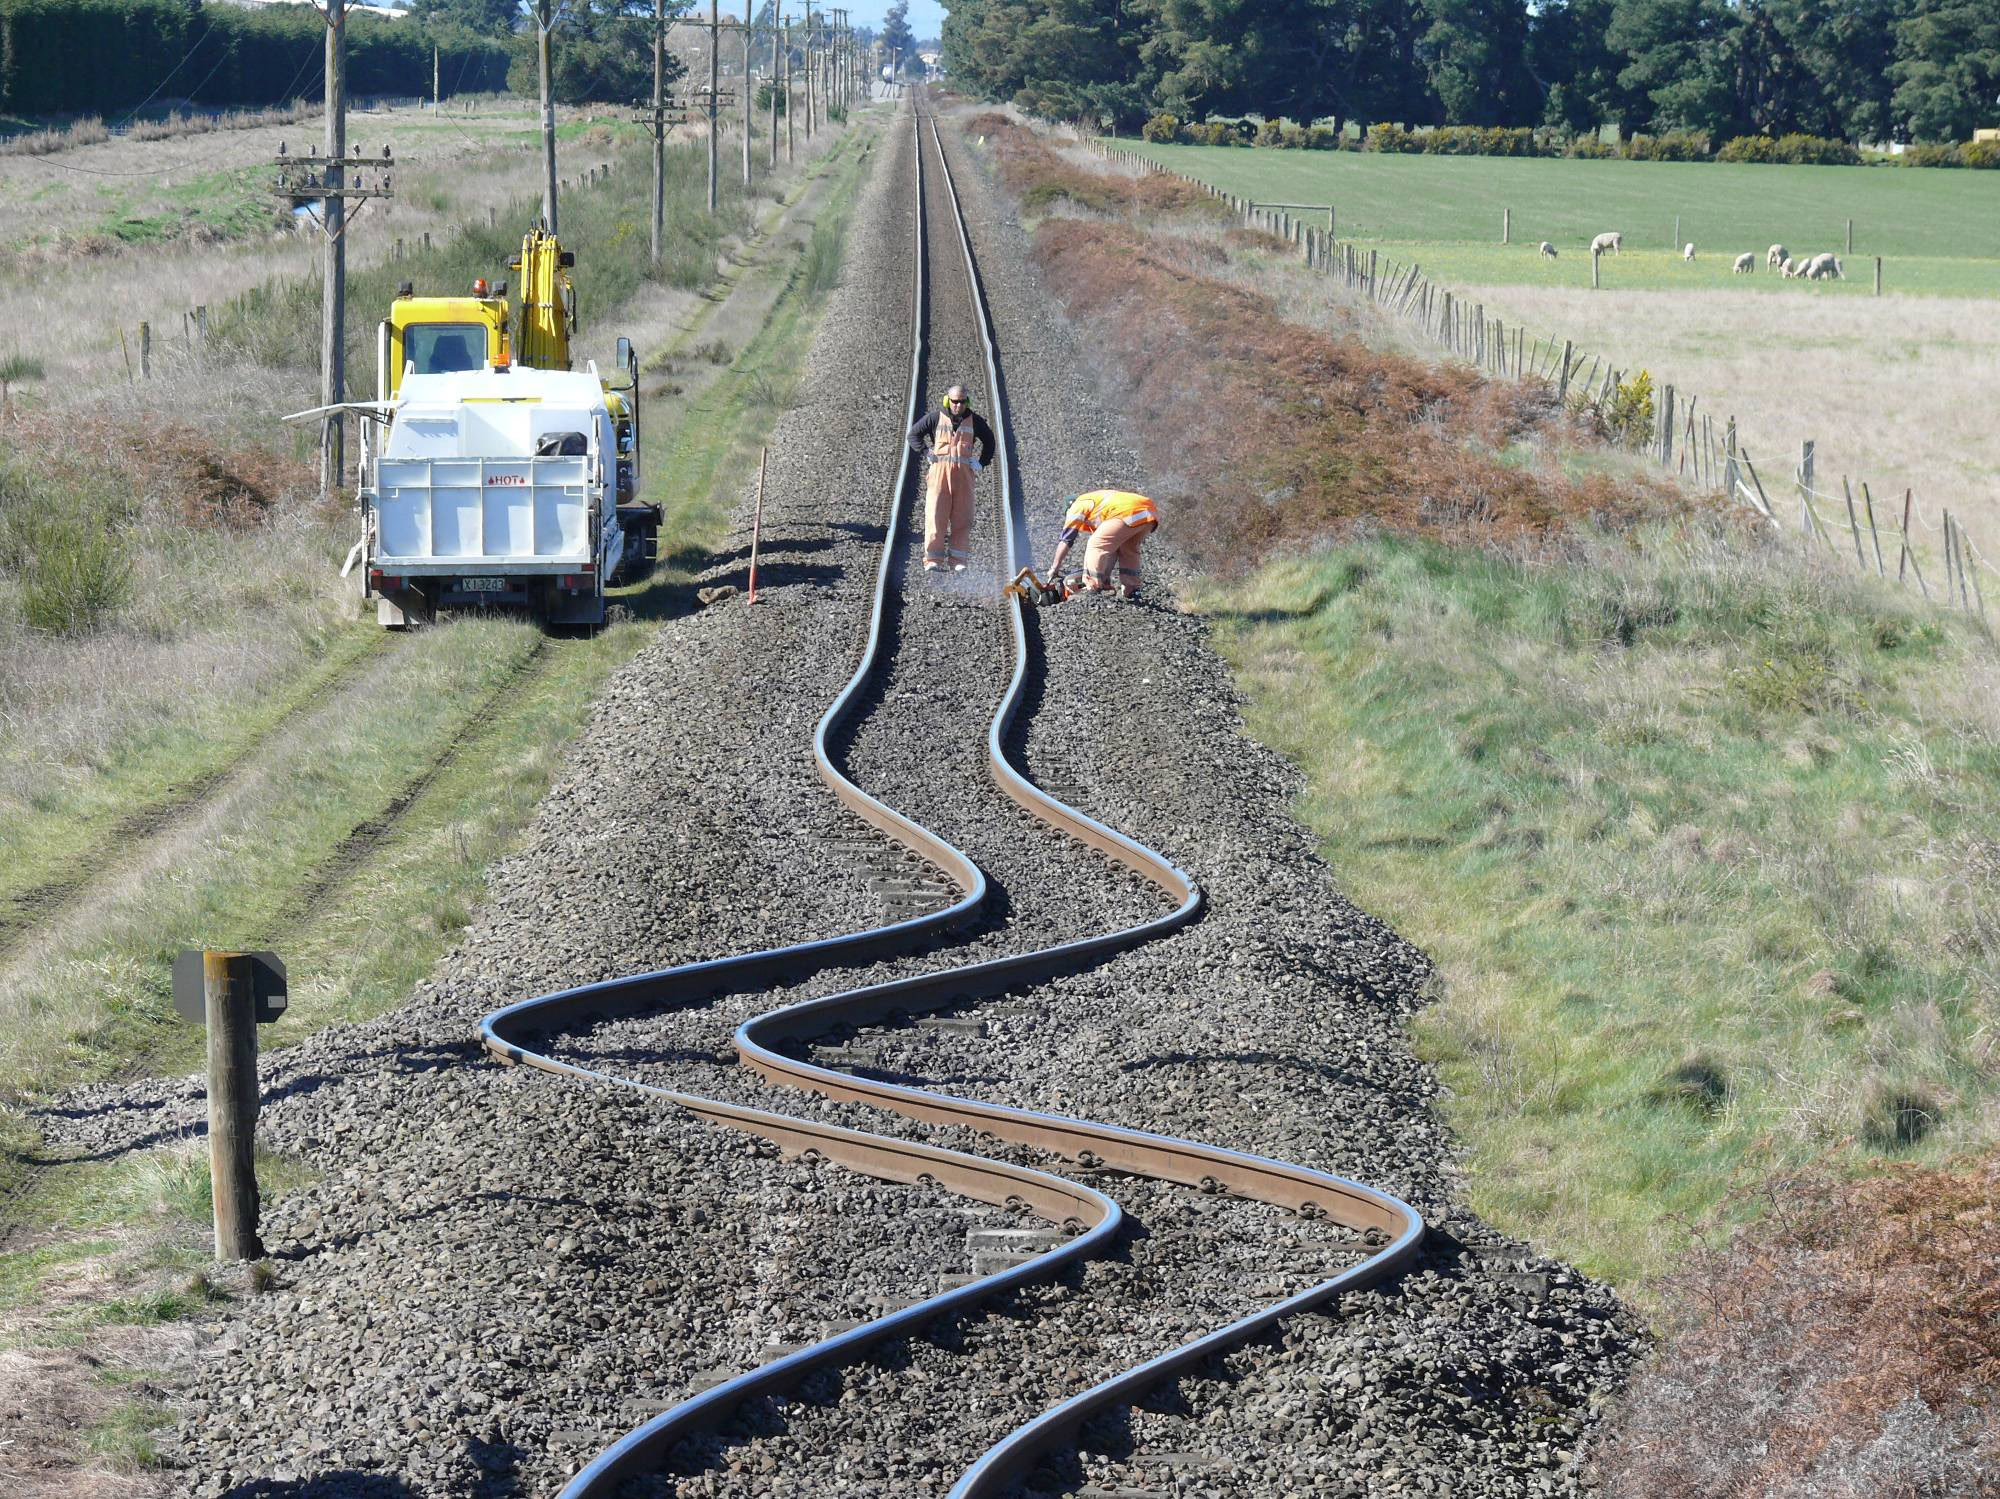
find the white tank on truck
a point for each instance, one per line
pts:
(497, 486)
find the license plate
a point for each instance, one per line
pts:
(483, 585)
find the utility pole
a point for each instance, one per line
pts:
(788, 91)
(714, 80)
(771, 84)
(809, 69)
(545, 22)
(659, 125)
(333, 291)
(308, 178)
(436, 76)
(749, 103)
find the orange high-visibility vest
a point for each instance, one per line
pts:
(954, 443)
(1089, 511)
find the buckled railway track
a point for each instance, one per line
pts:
(777, 1044)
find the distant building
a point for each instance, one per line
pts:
(1987, 135)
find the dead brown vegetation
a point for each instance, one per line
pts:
(1043, 177)
(1315, 432)
(166, 467)
(1849, 1343)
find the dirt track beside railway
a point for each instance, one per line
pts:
(473, 1302)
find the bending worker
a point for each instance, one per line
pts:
(950, 435)
(1116, 520)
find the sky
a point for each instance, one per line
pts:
(926, 16)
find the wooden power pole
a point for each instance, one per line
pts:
(545, 23)
(788, 91)
(714, 83)
(749, 102)
(771, 83)
(809, 68)
(659, 125)
(333, 293)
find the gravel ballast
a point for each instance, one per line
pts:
(499, 1272)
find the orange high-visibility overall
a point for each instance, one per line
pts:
(948, 495)
(1117, 520)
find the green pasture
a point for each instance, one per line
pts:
(1938, 231)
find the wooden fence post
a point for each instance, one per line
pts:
(1562, 387)
(1667, 422)
(1874, 535)
(1595, 255)
(1878, 275)
(232, 1103)
(145, 351)
(1854, 525)
(1850, 236)
(1506, 226)
(1805, 486)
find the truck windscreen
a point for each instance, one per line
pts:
(441, 348)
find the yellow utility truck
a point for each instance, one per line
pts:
(502, 476)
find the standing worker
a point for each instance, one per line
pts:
(952, 433)
(1116, 520)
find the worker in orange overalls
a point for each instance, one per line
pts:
(1116, 520)
(960, 445)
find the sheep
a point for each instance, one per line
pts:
(1776, 256)
(1612, 242)
(1790, 268)
(1746, 263)
(1687, 253)
(1548, 251)
(1824, 267)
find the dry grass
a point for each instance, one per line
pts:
(1849, 1344)
(68, 290)
(1891, 391)
(91, 131)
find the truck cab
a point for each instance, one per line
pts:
(445, 335)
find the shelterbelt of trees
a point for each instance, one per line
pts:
(1858, 70)
(83, 56)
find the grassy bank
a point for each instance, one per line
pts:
(1694, 835)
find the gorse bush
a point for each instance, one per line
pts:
(1674, 145)
(1629, 415)
(1162, 128)
(1790, 150)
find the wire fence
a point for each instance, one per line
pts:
(1674, 431)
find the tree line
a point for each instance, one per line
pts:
(1855, 70)
(100, 56)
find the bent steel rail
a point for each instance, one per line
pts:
(763, 1043)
